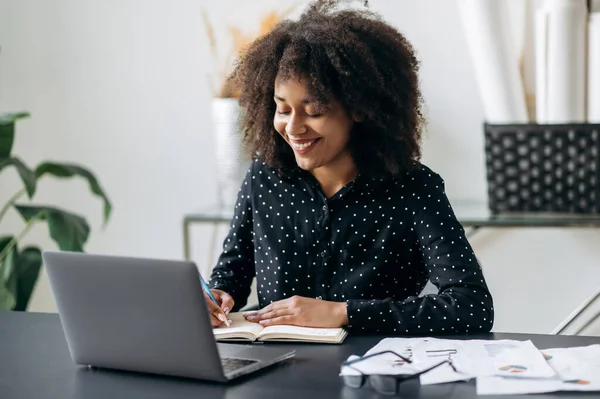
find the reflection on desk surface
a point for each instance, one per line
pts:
(104, 383)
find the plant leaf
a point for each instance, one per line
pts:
(10, 272)
(7, 276)
(7, 300)
(11, 117)
(27, 175)
(4, 240)
(69, 231)
(68, 170)
(27, 270)
(7, 131)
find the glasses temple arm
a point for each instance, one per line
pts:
(347, 363)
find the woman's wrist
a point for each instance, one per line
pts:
(340, 313)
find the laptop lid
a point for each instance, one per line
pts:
(134, 314)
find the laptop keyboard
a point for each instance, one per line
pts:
(231, 363)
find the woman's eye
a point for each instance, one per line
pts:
(315, 115)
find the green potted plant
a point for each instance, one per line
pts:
(20, 266)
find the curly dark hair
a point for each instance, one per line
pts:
(349, 55)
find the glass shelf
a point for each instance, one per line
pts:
(469, 214)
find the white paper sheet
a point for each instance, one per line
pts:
(495, 59)
(566, 66)
(387, 363)
(593, 110)
(475, 358)
(472, 358)
(577, 369)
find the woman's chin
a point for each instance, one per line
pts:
(304, 163)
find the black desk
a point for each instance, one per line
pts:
(35, 363)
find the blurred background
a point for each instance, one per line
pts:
(126, 88)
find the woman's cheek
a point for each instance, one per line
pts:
(279, 125)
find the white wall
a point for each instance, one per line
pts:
(120, 86)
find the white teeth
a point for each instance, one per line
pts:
(303, 145)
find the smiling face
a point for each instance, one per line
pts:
(318, 133)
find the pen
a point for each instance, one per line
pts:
(206, 289)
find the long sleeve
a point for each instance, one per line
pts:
(235, 267)
(463, 303)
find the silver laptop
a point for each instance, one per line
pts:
(144, 315)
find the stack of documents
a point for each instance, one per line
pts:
(577, 369)
(499, 366)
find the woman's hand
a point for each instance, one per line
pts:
(218, 315)
(301, 311)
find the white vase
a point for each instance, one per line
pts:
(232, 160)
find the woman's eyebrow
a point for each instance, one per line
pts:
(305, 101)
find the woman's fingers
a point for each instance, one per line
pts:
(288, 319)
(269, 315)
(216, 313)
(225, 299)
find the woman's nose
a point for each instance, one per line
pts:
(295, 126)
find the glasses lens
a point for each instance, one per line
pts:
(354, 381)
(384, 384)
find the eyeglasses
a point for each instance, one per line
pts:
(384, 384)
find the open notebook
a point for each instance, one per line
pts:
(243, 330)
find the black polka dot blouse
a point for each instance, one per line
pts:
(374, 245)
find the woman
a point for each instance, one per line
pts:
(337, 219)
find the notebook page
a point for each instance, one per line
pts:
(238, 324)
